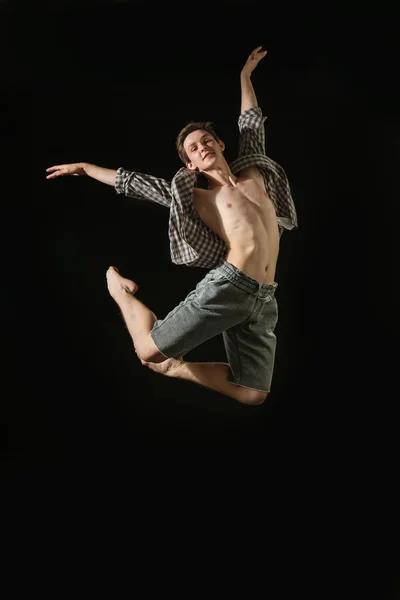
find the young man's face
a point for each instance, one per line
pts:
(203, 150)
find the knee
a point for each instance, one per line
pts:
(147, 350)
(255, 398)
(147, 355)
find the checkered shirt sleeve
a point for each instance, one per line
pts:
(143, 187)
(252, 133)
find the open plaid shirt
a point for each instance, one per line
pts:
(191, 242)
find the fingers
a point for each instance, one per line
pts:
(53, 175)
(54, 171)
(257, 55)
(58, 171)
(254, 53)
(54, 167)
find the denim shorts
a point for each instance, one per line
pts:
(230, 302)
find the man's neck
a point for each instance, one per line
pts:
(219, 177)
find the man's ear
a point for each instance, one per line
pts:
(221, 143)
(190, 166)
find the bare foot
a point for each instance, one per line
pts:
(168, 367)
(119, 286)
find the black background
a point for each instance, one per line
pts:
(112, 84)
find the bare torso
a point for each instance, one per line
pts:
(244, 217)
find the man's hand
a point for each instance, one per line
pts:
(103, 175)
(69, 169)
(253, 61)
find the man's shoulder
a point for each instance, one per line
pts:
(201, 197)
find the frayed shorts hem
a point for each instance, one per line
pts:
(249, 387)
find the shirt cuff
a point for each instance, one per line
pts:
(285, 222)
(120, 180)
(252, 115)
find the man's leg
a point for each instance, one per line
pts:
(210, 375)
(139, 320)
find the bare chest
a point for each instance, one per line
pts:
(246, 197)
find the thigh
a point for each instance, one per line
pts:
(250, 348)
(215, 305)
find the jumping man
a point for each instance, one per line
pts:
(232, 228)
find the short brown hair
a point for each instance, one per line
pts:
(189, 128)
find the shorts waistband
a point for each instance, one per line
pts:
(246, 283)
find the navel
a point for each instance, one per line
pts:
(229, 205)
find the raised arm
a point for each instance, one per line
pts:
(249, 99)
(100, 173)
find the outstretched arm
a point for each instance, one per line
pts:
(100, 173)
(249, 99)
(129, 183)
